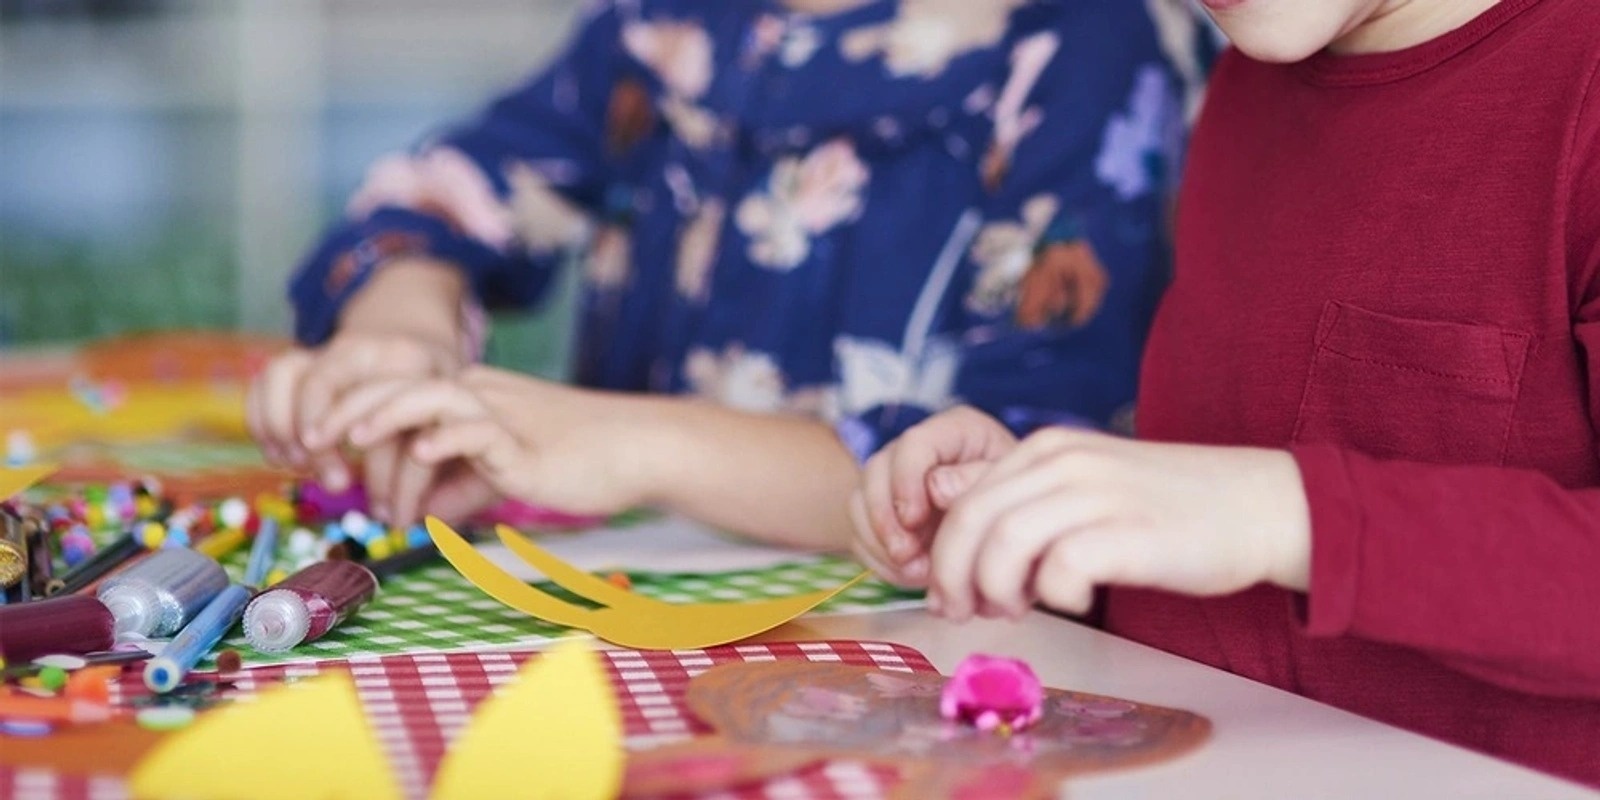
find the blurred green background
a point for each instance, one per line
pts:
(165, 163)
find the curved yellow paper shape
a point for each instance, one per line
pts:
(555, 733)
(307, 740)
(16, 480)
(502, 586)
(581, 583)
(631, 620)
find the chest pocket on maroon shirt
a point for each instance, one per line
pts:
(1392, 387)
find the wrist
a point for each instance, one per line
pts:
(1288, 527)
(414, 297)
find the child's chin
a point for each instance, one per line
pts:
(1274, 47)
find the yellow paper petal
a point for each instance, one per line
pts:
(502, 586)
(15, 480)
(569, 577)
(698, 625)
(555, 733)
(632, 620)
(309, 740)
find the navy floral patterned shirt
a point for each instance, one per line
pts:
(865, 217)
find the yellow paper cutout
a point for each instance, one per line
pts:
(630, 620)
(55, 417)
(555, 732)
(308, 740)
(16, 480)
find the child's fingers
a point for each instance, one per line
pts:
(279, 383)
(892, 542)
(354, 406)
(411, 482)
(866, 544)
(1016, 542)
(960, 538)
(470, 440)
(378, 465)
(255, 423)
(1060, 582)
(427, 403)
(946, 484)
(459, 494)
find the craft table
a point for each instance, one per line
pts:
(1266, 743)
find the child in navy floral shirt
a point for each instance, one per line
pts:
(826, 218)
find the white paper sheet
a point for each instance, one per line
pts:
(666, 544)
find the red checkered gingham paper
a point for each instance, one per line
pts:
(418, 703)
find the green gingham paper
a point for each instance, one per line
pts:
(435, 609)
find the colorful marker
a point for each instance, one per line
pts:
(92, 568)
(161, 593)
(72, 624)
(165, 672)
(307, 605)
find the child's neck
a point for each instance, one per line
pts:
(821, 7)
(1398, 24)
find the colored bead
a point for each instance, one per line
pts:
(620, 580)
(307, 512)
(178, 537)
(378, 548)
(92, 684)
(276, 577)
(152, 534)
(229, 661)
(146, 506)
(53, 678)
(417, 536)
(77, 545)
(354, 523)
(375, 530)
(397, 539)
(233, 513)
(302, 543)
(333, 533)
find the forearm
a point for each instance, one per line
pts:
(781, 479)
(414, 296)
(1488, 569)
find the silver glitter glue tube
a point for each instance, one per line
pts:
(158, 595)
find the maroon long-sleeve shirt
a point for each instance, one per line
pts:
(1390, 264)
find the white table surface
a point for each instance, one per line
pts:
(1265, 743)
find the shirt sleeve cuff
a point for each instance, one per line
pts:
(1336, 530)
(349, 256)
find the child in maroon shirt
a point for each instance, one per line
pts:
(1370, 400)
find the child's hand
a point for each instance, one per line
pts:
(534, 440)
(1070, 510)
(907, 485)
(298, 388)
(404, 324)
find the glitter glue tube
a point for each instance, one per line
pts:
(307, 605)
(71, 625)
(156, 596)
(13, 553)
(166, 671)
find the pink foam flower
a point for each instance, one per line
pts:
(991, 692)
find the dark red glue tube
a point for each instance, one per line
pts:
(307, 605)
(72, 624)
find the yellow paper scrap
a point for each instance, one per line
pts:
(630, 619)
(308, 740)
(16, 480)
(554, 733)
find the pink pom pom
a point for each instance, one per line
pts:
(992, 692)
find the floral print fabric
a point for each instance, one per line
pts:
(864, 217)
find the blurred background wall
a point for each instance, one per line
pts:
(164, 163)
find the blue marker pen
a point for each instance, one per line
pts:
(165, 672)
